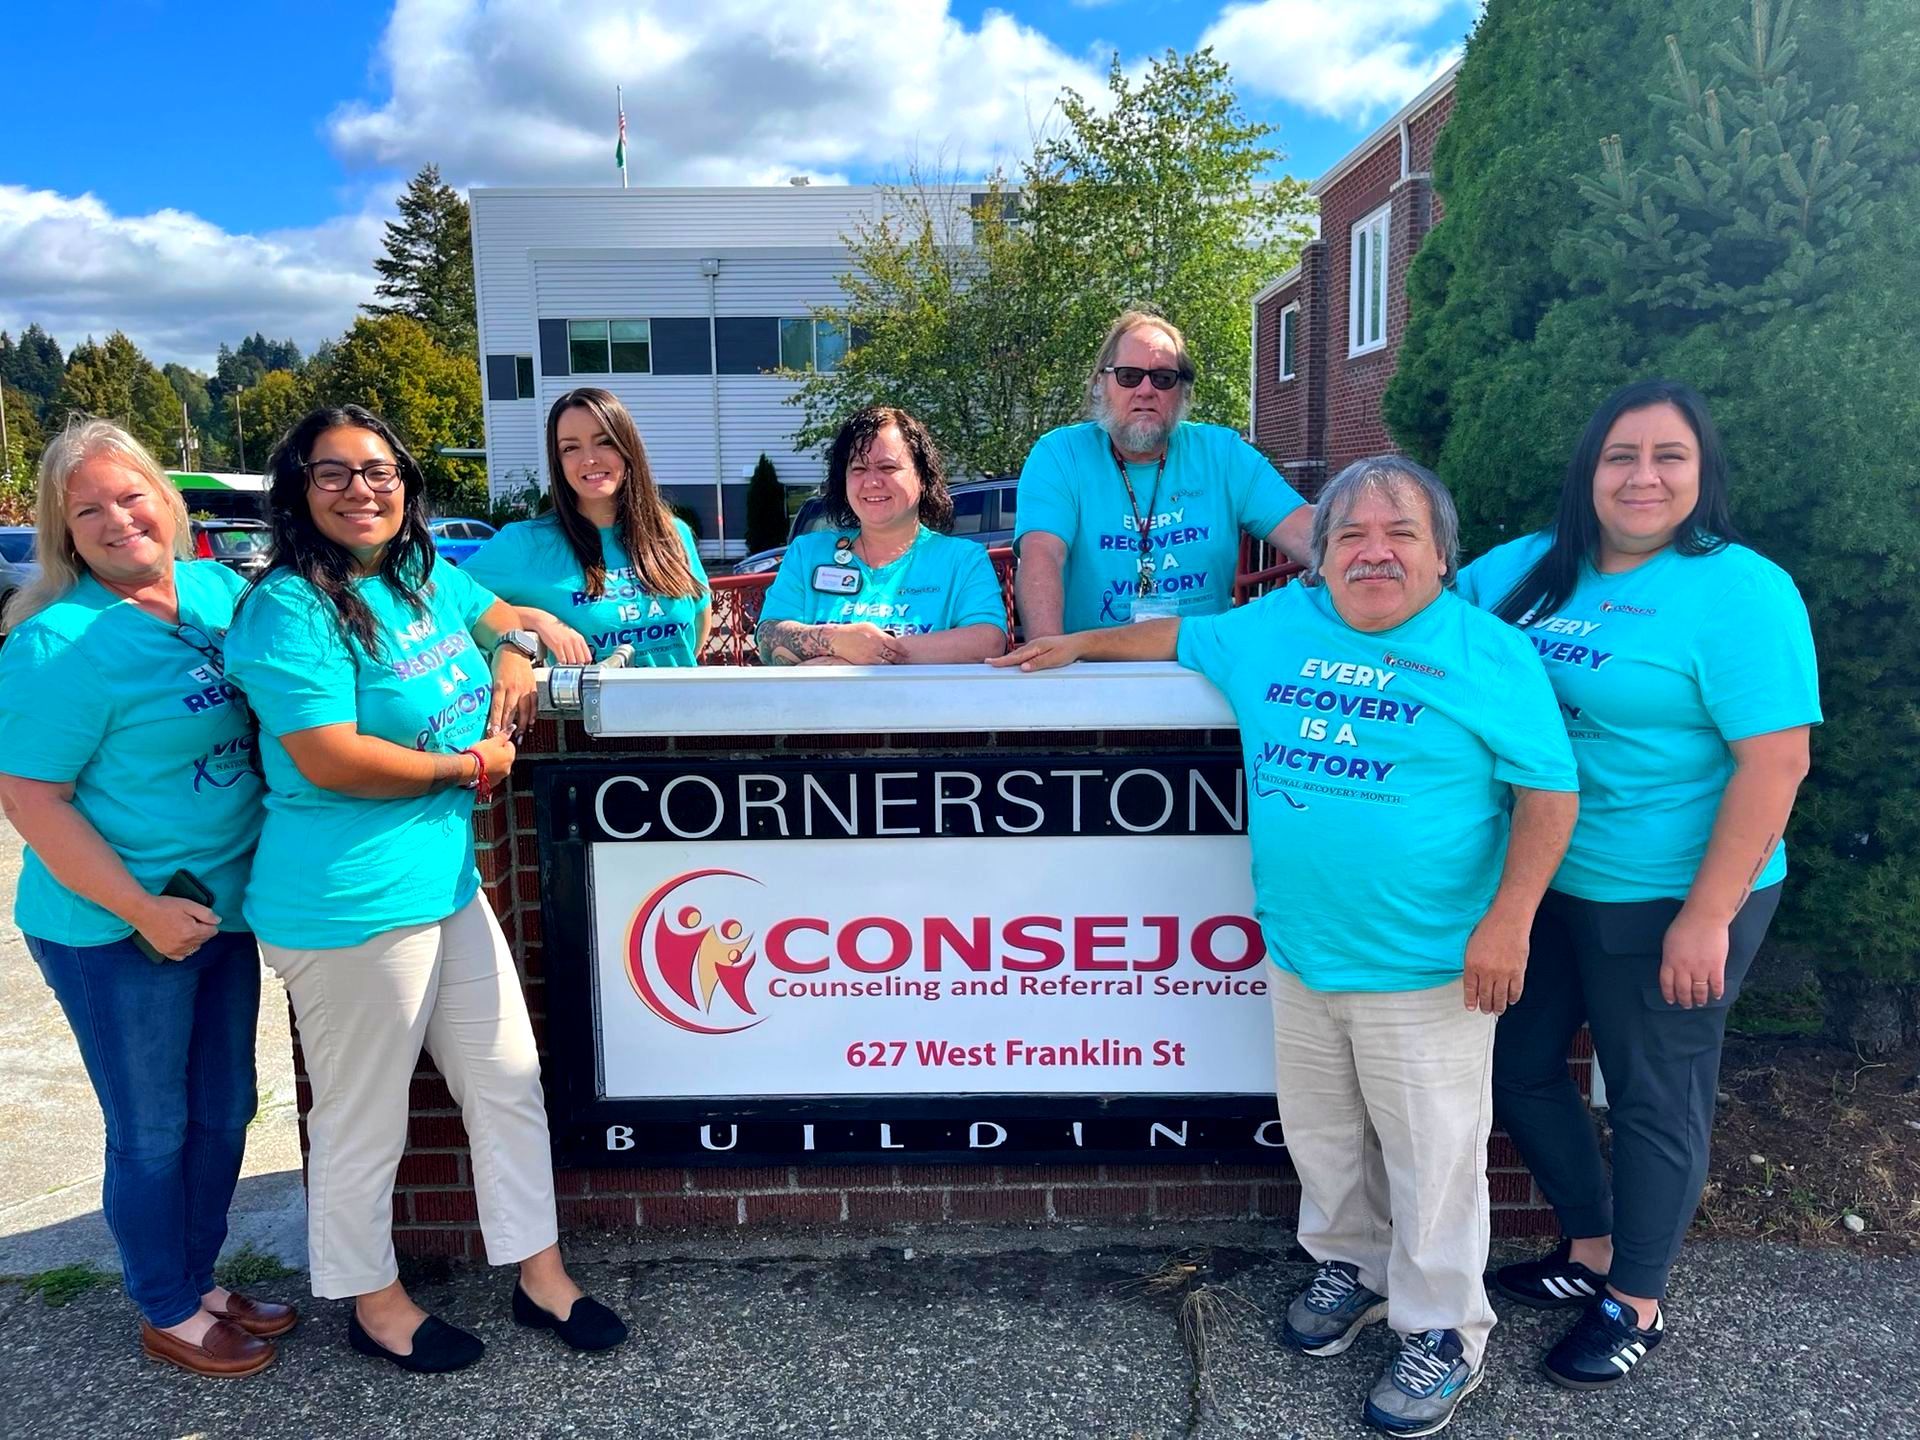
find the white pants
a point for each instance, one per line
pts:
(1386, 1103)
(364, 1013)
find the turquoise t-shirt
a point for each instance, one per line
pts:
(335, 870)
(1656, 670)
(1215, 486)
(940, 583)
(1378, 769)
(156, 743)
(530, 563)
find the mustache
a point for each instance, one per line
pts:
(1389, 571)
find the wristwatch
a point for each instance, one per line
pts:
(524, 643)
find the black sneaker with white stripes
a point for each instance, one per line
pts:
(1553, 1282)
(1602, 1348)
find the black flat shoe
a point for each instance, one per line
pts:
(437, 1346)
(591, 1326)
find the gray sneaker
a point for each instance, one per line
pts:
(1420, 1390)
(1335, 1307)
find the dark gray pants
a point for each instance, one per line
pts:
(1600, 964)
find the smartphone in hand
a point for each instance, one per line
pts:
(183, 885)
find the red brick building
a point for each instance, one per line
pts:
(1326, 334)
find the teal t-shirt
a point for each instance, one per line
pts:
(335, 870)
(1378, 769)
(940, 583)
(1656, 670)
(153, 738)
(530, 563)
(1215, 486)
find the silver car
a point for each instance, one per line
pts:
(982, 511)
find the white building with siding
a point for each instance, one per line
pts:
(679, 301)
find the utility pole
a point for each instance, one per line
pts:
(239, 431)
(6, 455)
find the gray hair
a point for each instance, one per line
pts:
(61, 567)
(1129, 322)
(1389, 475)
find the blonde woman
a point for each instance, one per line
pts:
(126, 765)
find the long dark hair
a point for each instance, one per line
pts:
(640, 517)
(1576, 526)
(856, 439)
(326, 565)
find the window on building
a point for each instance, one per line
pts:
(587, 347)
(1367, 284)
(632, 347)
(523, 376)
(1289, 340)
(812, 344)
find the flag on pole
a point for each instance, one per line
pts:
(620, 148)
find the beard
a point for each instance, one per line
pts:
(1138, 434)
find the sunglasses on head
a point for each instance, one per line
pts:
(1128, 377)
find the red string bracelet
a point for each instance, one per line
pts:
(481, 786)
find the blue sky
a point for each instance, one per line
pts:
(191, 172)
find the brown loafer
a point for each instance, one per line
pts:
(226, 1352)
(258, 1317)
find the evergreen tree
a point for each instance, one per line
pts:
(427, 272)
(1535, 297)
(32, 365)
(766, 508)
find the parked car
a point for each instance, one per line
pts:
(240, 545)
(17, 564)
(982, 510)
(457, 539)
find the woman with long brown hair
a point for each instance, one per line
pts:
(610, 565)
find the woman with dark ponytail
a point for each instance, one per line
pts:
(382, 714)
(1684, 667)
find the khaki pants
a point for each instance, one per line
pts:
(364, 1013)
(1386, 1104)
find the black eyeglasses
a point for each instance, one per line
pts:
(194, 638)
(382, 476)
(1128, 377)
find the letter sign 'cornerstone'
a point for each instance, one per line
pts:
(926, 957)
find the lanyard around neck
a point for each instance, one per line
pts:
(1143, 524)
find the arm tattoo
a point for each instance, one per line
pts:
(788, 642)
(1766, 854)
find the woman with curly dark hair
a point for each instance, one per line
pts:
(885, 585)
(382, 715)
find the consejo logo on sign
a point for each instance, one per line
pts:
(688, 954)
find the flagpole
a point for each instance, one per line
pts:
(620, 103)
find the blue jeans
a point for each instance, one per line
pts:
(169, 1049)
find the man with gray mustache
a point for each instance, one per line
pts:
(1411, 790)
(1138, 511)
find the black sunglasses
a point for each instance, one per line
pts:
(1128, 377)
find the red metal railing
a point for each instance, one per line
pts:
(737, 598)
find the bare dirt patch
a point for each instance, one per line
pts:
(1815, 1146)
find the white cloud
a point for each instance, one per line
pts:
(178, 285)
(719, 92)
(1350, 59)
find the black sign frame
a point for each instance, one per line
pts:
(592, 1129)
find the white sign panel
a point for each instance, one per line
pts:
(1076, 964)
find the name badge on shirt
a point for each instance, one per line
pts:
(836, 580)
(1155, 607)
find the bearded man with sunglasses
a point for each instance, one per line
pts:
(1137, 513)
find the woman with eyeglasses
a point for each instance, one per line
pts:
(127, 770)
(382, 714)
(609, 565)
(886, 585)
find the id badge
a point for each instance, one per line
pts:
(1155, 607)
(836, 580)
